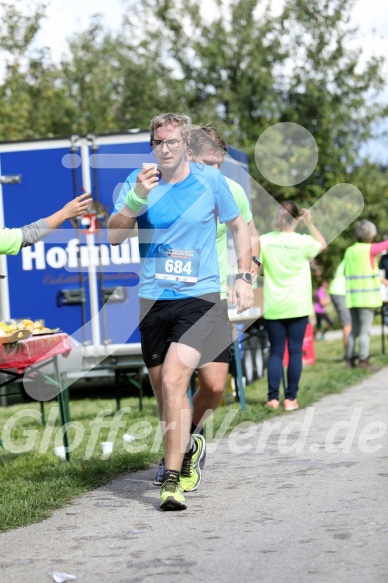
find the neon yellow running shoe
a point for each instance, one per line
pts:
(171, 495)
(191, 471)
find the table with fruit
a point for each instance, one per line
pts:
(15, 330)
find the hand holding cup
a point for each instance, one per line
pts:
(147, 179)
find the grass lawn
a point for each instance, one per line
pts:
(35, 481)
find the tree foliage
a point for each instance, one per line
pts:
(226, 64)
(237, 67)
(328, 93)
(22, 68)
(112, 82)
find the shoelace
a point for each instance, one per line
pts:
(186, 468)
(170, 485)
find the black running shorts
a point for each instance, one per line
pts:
(201, 323)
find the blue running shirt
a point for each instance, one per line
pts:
(177, 233)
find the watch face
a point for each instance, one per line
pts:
(246, 276)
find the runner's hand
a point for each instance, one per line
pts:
(242, 295)
(146, 180)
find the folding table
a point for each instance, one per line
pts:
(27, 357)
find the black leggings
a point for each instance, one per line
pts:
(322, 318)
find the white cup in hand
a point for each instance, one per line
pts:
(151, 166)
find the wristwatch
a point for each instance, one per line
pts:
(256, 260)
(246, 276)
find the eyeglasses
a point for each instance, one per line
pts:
(171, 144)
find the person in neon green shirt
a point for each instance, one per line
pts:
(12, 240)
(206, 146)
(202, 150)
(285, 257)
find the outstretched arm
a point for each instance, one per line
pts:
(307, 218)
(33, 232)
(72, 209)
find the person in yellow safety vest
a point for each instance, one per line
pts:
(363, 293)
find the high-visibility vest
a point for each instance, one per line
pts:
(362, 280)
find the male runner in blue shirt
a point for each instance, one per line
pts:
(182, 320)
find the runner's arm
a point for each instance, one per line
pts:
(33, 232)
(121, 225)
(255, 245)
(242, 291)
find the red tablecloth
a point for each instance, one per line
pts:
(24, 353)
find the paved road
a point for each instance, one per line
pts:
(306, 503)
(337, 334)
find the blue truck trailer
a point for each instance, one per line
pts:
(74, 279)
